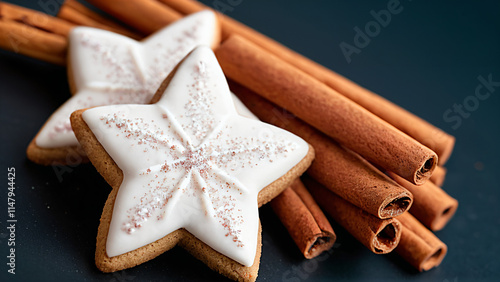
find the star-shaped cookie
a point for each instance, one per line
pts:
(187, 170)
(106, 68)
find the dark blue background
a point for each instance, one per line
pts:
(427, 59)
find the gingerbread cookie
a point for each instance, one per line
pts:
(106, 68)
(187, 170)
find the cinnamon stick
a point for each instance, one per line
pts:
(438, 176)
(322, 107)
(147, 16)
(340, 170)
(304, 220)
(424, 132)
(432, 206)
(32, 42)
(380, 236)
(35, 19)
(74, 12)
(419, 246)
(35, 34)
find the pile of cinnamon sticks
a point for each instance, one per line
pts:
(44, 37)
(378, 168)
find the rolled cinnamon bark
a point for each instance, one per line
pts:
(381, 236)
(322, 107)
(147, 16)
(424, 132)
(76, 13)
(35, 19)
(32, 42)
(432, 206)
(438, 176)
(304, 220)
(341, 171)
(419, 246)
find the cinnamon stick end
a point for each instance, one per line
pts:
(439, 175)
(434, 259)
(445, 216)
(425, 171)
(387, 238)
(396, 207)
(319, 243)
(447, 149)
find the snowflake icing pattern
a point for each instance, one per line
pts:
(191, 153)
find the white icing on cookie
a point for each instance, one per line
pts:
(191, 161)
(109, 68)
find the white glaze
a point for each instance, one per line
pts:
(108, 68)
(191, 161)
